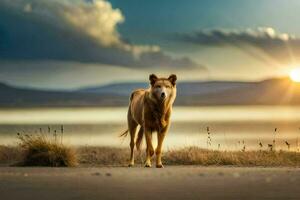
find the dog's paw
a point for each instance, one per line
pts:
(159, 166)
(147, 165)
(130, 165)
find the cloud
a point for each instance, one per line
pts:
(264, 43)
(27, 8)
(98, 20)
(74, 30)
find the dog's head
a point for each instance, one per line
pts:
(163, 88)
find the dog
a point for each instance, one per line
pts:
(151, 109)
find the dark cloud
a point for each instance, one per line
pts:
(280, 47)
(79, 30)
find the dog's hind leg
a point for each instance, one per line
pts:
(139, 139)
(132, 125)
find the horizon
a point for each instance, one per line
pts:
(74, 89)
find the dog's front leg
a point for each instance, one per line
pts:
(160, 138)
(149, 150)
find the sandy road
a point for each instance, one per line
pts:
(179, 182)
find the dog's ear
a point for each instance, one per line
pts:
(172, 78)
(152, 78)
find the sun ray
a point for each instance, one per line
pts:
(295, 75)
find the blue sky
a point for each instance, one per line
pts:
(151, 18)
(52, 43)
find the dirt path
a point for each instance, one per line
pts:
(180, 182)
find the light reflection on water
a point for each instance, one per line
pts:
(231, 127)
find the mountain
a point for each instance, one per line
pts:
(183, 88)
(21, 97)
(268, 92)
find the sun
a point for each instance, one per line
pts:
(295, 75)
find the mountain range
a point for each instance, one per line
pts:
(268, 92)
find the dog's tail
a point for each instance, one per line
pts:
(124, 134)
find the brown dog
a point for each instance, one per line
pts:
(151, 109)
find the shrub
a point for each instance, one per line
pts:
(39, 150)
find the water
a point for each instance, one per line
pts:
(230, 128)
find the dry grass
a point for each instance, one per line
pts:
(193, 156)
(38, 150)
(103, 156)
(48, 154)
(198, 156)
(9, 154)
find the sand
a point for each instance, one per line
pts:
(172, 182)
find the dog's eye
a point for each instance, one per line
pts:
(158, 86)
(168, 86)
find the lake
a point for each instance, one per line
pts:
(229, 127)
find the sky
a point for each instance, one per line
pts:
(68, 44)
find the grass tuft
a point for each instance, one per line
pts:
(38, 150)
